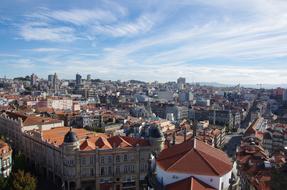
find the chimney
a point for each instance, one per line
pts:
(204, 134)
(194, 129)
(173, 138)
(184, 134)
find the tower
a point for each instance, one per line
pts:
(55, 82)
(156, 139)
(88, 77)
(33, 79)
(78, 79)
(71, 142)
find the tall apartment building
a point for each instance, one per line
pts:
(78, 79)
(33, 79)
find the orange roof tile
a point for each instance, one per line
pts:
(209, 160)
(31, 120)
(92, 140)
(189, 183)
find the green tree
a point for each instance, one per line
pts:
(278, 179)
(19, 162)
(3, 183)
(23, 181)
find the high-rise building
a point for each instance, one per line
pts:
(181, 82)
(88, 77)
(33, 79)
(50, 78)
(55, 82)
(78, 79)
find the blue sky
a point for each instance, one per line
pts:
(227, 41)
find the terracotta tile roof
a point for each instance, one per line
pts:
(103, 143)
(91, 140)
(189, 183)
(57, 134)
(209, 160)
(29, 120)
(250, 131)
(87, 145)
(118, 141)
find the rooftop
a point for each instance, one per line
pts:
(207, 159)
(91, 140)
(29, 120)
(190, 183)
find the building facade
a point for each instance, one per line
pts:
(79, 159)
(5, 159)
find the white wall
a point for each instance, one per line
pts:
(214, 181)
(167, 177)
(225, 179)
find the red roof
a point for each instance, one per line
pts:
(196, 157)
(189, 183)
(31, 120)
(91, 140)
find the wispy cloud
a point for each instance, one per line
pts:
(45, 50)
(219, 40)
(141, 25)
(82, 16)
(45, 32)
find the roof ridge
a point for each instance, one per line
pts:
(213, 148)
(184, 152)
(124, 140)
(221, 160)
(183, 156)
(191, 183)
(199, 152)
(105, 141)
(180, 153)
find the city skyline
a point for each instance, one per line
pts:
(219, 41)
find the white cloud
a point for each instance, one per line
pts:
(82, 16)
(44, 32)
(141, 25)
(246, 31)
(44, 50)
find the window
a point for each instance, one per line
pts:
(91, 171)
(83, 161)
(118, 170)
(91, 160)
(126, 169)
(102, 160)
(125, 157)
(142, 167)
(110, 159)
(132, 168)
(222, 185)
(110, 170)
(102, 171)
(118, 158)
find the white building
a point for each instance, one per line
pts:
(57, 104)
(193, 165)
